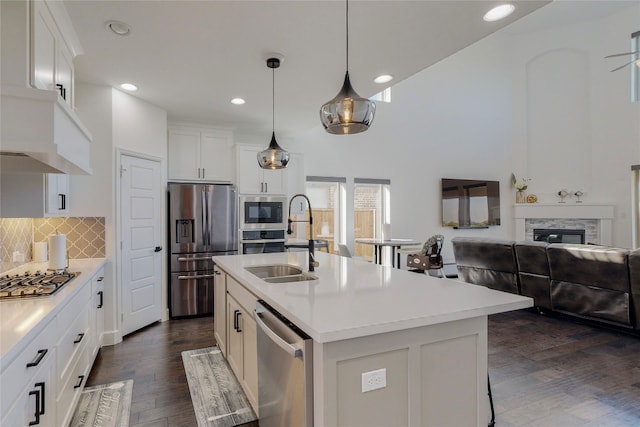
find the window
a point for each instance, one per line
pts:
(327, 195)
(371, 209)
(384, 96)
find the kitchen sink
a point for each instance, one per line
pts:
(293, 278)
(277, 270)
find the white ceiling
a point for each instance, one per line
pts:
(192, 57)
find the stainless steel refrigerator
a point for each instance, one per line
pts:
(203, 222)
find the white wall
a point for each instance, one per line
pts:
(469, 116)
(116, 120)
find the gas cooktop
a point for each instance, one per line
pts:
(34, 284)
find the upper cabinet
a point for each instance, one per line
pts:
(252, 179)
(52, 66)
(34, 195)
(200, 154)
(38, 46)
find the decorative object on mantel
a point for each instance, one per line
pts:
(578, 194)
(532, 198)
(563, 195)
(521, 185)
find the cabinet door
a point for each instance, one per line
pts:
(234, 336)
(64, 73)
(35, 404)
(249, 172)
(220, 310)
(57, 194)
(216, 157)
(274, 181)
(184, 150)
(43, 45)
(97, 320)
(250, 358)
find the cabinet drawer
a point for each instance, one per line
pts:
(18, 375)
(71, 345)
(37, 394)
(245, 298)
(70, 311)
(70, 391)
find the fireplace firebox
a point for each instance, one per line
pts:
(554, 235)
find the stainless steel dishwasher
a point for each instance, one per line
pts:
(285, 370)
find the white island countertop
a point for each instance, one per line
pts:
(22, 319)
(353, 298)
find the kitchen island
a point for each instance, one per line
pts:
(429, 334)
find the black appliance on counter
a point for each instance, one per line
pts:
(203, 222)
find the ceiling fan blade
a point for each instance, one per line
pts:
(622, 54)
(622, 66)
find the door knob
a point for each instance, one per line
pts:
(158, 249)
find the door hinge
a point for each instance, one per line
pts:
(120, 244)
(122, 170)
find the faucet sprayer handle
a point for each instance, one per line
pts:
(289, 221)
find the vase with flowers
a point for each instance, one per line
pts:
(521, 186)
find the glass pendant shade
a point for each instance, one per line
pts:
(273, 157)
(348, 112)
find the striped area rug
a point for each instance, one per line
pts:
(105, 405)
(218, 399)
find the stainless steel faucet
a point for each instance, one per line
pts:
(312, 257)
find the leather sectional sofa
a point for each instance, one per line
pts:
(588, 281)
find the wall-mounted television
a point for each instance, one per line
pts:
(470, 203)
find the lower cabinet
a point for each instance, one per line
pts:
(242, 353)
(220, 309)
(41, 387)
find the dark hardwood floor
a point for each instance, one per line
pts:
(152, 358)
(545, 371)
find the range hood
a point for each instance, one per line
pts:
(40, 133)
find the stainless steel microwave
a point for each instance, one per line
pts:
(263, 212)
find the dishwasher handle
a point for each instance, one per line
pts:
(289, 348)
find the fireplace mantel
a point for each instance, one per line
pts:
(602, 212)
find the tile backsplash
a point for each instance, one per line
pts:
(85, 237)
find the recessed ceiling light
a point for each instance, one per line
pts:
(128, 86)
(499, 12)
(118, 27)
(383, 78)
(237, 101)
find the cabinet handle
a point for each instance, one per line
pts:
(100, 294)
(42, 399)
(80, 336)
(101, 278)
(266, 187)
(236, 320)
(60, 201)
(36, 393)
(262, 187)
(216, 272)
(203, 174)
(79, 383)
(63, 91)
(38, 359)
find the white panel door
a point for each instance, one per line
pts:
(141, 263)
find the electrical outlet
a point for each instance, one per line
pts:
(373, 380)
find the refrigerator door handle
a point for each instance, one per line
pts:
(196, 276)
(205, 218)
(199, 258)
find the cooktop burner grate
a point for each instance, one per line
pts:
(34, 285)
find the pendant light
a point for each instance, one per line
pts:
(348, 112)
(273, 157)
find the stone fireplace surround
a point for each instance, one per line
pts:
(595, 218)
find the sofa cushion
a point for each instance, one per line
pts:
(590, 265)
(634, 283)
(533, 272)
(591, 302)
(486, 262)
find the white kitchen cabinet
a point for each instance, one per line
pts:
(30, 380)
(52, 65)
(242, 339)
(220, 309)
(200, 154)
(252, 179)
(97, 311)
(57, 194)
(34, 195)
